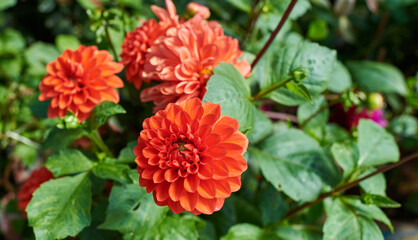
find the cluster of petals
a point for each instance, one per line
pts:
(350, 118)
(191, 157)
(178, 53)
(80, 79)
(137, 42)
(35, 180)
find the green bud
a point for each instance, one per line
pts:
(375, 101)
(299, 75)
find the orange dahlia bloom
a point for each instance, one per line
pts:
(78, 80)
(35, 180)
(196, 8)
(190, 157)
(184, 59)
(137, 42)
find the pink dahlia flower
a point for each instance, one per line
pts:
(195, 8)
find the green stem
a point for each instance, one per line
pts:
(330, 104)
(343, 188)
(95, 136)
(270, 89)
(109, 40)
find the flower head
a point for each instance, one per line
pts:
(78, 80)
(137, 42)
(350, 118)
(35, 180)
(195, 8)
(190, 156)
(184, 59)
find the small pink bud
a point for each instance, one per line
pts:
(196, 8)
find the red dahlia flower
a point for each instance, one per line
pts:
(190, 157)
(35, 180)
(78, 80)
(184, 59)
(138, 41)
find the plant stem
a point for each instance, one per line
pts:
(109, 40)
(95, 136)
(275, 32)
(345, 187)
(330, 104)
(281, 116)
(251, 22)
(270, 89)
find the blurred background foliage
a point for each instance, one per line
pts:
(35, 32)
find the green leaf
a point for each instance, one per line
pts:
(228, 88)
(346, 155)
(113, 171)
(300, 90)
(347, 221)
(244, 231)
(299, 232)
(296, 53)
(340, 79)
(59, 139)
(375, 184)
(68, 161)
(295, 163)
(61, 207)
(12, 66)
(376, 146)
(272, 205)
(243, 5)
(175, 227)
(300, 8)
(4, 4)
(102, 112)
(377, 77)
(262, 126)
(333, 134)
(127, 155)
(405, 125)
(379, 200)
(64, 41)
(27, 154)
(123, 212)
(11, 41)
(87, 4)
(38, 55)
(307, 110)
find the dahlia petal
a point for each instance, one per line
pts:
(86, 107)
(238, 138)
(80, 98)
(233, 149)
(171, 175)
(158, 177)
(218, 151)
(176, 190)
(209, 119)
(110, 94)
(205, 172)
(148, 173)
(236, 165)
(220, 170)
(161, 191)
(235, 183)
(193, 108)
(52, 112)
(223, 190)
(213, 140)
(207, 188)
(219, 203)
(175, 207)
(212, 108)
(204, 131)
(191, 183)
(206, 206)
(114, 81)
(189, 201)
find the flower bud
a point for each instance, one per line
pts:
(375, 101)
